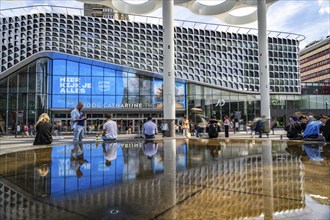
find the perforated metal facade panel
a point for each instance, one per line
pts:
(209, 57)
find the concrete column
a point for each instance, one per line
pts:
(263, 59)
(168, 66)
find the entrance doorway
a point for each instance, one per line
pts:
(128, 122)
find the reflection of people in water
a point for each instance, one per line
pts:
(43, 170)
(313, 151)
(77, 159)
(110, 152)
(214, 151)
(150, 148)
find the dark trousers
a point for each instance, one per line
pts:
(226, 131)
(149, 136)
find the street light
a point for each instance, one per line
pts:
(326, 107)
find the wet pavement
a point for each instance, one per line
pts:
(167, 178)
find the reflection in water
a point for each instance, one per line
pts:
(185, 179)
(110, 152)
(313, 150)
(77, 159)
(267, 179)
(315, 157)
(150, 148)
(42, 160)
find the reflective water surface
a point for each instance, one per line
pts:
(168, 179)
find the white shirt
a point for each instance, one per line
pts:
(150, 128)
(111, 129)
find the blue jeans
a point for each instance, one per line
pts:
(78, 133)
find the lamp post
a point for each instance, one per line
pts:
(326, 107)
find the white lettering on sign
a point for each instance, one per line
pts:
(72, 85)
(113, 105)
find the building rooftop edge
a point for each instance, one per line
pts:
(148, 19)
(314, 45)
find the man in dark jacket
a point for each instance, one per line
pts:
(295, 129)
(213, 128)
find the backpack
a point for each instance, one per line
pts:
(213, 131)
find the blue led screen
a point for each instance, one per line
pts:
(100, 87)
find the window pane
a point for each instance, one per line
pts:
(97, 71)
(22, 81)
(85, 85)
(109, 101)
(13, 84)
(85, 69)
(121, 85)
(145, 86)
(133, 86)
(32, 82)
(86, 99)
(3, 86)
(109, 72)
(71, 101)
(72, 68)
(58, 101)
(108, 85)
(59, 67)
(133, 99)
(98, 86)
(12, 101)
(3, 101)
(146, 101)
(97, 101)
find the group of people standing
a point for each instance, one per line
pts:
(109, 128)
(307, 128)
(303, 127)
(212, 128)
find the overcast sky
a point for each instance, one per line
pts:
(307, 17)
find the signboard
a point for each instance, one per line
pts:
(120, 91)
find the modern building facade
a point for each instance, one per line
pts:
(50, 61)
(315, 61)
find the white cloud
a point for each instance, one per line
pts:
(307, 17)
(281, 14)
(324, 7)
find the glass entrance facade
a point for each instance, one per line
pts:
(55, 85)
(24, 95)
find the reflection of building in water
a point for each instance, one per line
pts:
(230, 188)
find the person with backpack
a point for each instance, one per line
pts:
(213, 128)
